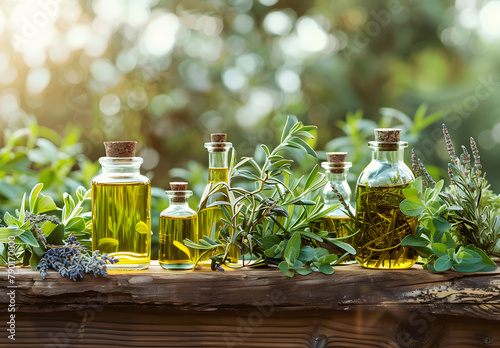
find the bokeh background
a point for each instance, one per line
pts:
(75, 73)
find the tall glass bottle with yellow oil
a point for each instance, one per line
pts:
(177, 223)
(121, 213)
(208, 217)
(338, 221)
(379, 192)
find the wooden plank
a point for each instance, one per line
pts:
(129, 327)
(350, 288)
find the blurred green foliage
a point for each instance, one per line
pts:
(167, 73)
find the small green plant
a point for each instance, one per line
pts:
(433, 240)
(60, 243)
(271, 211)
(457, 230)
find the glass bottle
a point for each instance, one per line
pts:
(177, 223)
(378, 195)
(337, 170)
(121, 208)
(217, 173)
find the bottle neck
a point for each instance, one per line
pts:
(217, 159)
(121, 165)
(178, 199)
(394, 156)
(175, 202)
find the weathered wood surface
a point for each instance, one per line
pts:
(131, 327)
(350, 288)
(354, 307)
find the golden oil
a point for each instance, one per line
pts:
(177, 229)
(208, 216)
(338, 227)
(382, 228)
(121, 223)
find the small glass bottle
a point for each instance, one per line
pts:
(336, 170)
(121, 208)
(378, 195)
(217, 173)
(177, 223)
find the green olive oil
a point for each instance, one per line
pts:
(177, 229)
(382, 228)
(121, 223)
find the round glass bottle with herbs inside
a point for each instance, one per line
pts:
(379, 192)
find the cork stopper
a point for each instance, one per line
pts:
(336, 159)
(387, 135)
(218, 140)
(120, 148)
(179, 189)
(218, 137)
(178, 186)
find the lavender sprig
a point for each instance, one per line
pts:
(449, 145)
(466, 160)
(477, 158)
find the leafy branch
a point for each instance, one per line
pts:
(269, 215)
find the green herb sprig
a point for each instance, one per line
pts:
(270, 221)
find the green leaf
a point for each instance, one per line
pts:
(469, 268)
(44, 204)
(304, 270)
(22, 211)
(490, 265)
(305, 146)
(34, 196)
(311, 177)
(414, 241)
(411, 194)
(441, 223)
(266, 150)
(184, 249)
(11, 231)
(292, 249)
(76, 224)
(326, 269)
(269, 241)
(439, 249)
(448, 240)
(443, 264)
(307, 253)
(82, 193)
(283, 266)
(410, 208)
(436, 190)
(311, 235)
(28, 238)
(320, 252)
(327, 259)
(345, 246)
(290, 122)
(56, 236)
(11, 221)
(34, 260)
